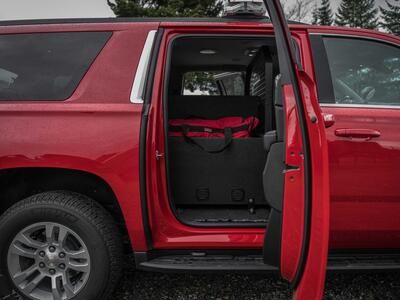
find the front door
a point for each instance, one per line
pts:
(360, 92)
(296, 178)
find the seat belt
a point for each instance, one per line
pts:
(269, 98)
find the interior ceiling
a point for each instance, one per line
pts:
(229, 51)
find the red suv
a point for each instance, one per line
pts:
(101, 155)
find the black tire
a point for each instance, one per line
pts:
(87, 219)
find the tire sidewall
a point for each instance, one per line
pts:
(36, 213)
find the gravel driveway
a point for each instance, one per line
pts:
(144, 285)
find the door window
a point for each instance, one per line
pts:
(363, 71)
(213, 83)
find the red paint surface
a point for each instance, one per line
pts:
(365, 206)
(365, 191)
(312, 282)
(97, 131)
(293, 205)
(315, 245)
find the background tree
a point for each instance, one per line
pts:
(357, 13)
(325, 16)
(322, 15)
(391, 17)
(165, 8)
(315, 15)
(297, 10)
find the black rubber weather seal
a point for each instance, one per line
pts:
(143, 137)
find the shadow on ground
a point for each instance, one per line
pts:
(143, 285)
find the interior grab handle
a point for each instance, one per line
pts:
(358, 133)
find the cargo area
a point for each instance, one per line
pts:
(215, 180)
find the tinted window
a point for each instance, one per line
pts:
(46, 66)
(213, 83)
(364, 71)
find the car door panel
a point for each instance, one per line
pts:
(293, 206)
(320, 208)
(363, 135)
(365, 206)
(299, 225)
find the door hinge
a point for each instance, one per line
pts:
(159, 155)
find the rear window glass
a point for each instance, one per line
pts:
(212, 83)
(46, 66)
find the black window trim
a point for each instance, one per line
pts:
(317, 35)
(322, 70)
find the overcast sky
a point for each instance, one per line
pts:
(39, 9)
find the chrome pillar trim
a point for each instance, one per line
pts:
(375, 106)
(137, 92)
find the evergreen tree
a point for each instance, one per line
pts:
(165, 8)
(391, 17)
(315, 15)
(357, 13)
(325, 16)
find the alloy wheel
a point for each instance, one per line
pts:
(48, 261)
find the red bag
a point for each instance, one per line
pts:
(240, 127)
(227, 128)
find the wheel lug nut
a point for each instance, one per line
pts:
(61, 255)
(42, 253)
(52, 248)
(52, 271)
(41, 265)
(62, 266)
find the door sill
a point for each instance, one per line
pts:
(202, 262)
(207, 263)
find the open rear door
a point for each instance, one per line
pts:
(296, 239)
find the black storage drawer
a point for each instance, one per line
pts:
(231, 177)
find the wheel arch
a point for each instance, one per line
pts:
(19, 183)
